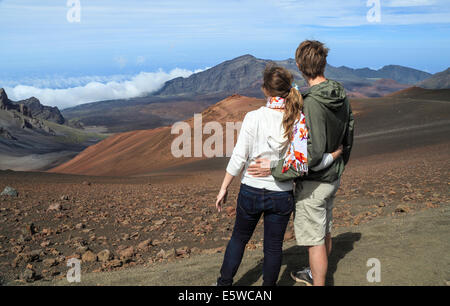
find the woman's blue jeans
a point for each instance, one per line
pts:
(277, 207)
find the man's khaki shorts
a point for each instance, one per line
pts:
(314, 211)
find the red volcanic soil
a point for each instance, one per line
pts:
(141, 152)
(423, 94)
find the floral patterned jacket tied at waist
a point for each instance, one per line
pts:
(297, 152)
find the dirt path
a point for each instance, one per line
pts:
(412, 249)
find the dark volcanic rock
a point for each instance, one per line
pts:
(4, 101)
(9, 191)
(31, 107)
(6, 104)
(28, 275)
(4, 133)
(37, 110)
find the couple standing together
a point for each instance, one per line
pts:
(298, 142)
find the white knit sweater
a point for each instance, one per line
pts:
(261, 136)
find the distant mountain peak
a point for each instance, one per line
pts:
(231, 76)
(245, 56)
(440, 80)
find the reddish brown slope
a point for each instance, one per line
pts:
(380, 88)
(422, 93)
(141, 152)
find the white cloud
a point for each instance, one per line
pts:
(62, 82)
(141, 84)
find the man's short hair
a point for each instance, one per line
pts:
(311, 58)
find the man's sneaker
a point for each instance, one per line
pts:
(303, 276)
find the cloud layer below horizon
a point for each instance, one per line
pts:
(93, 88)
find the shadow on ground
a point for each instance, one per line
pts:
(297, 257)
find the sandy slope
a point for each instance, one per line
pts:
(35, 162)
(35, 148)
(141, 152)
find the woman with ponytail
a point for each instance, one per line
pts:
(268, 133)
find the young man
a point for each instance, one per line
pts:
(330, 122)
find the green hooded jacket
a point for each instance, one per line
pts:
(330, 123)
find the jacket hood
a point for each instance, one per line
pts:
(330, 93)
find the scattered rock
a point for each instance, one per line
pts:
(127, 254)
(64, 198)
(115, 263)
(125, 237)
(45, 243)
(17, 249)
(21, 258)
(76, 256)
(23, 239)
(80, 226)
(230, 210)
(28, 275)
(36, 254)
(55, 207)
(144, 244)
(29, 229)
(160, 222)
(406, 198)
(9, 191)
(402, 209)
(50, 262)
(87, 183)
(431, 205)
(182, 251)
(104, 255)
(89, 256)
(82, 249)
(161, 254)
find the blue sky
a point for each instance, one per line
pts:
(146, 42)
